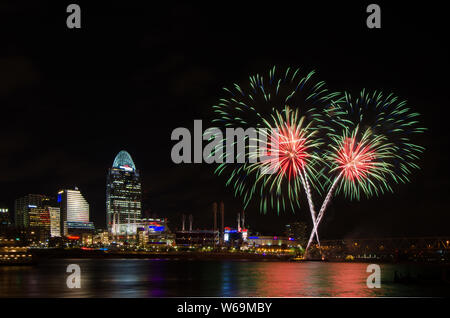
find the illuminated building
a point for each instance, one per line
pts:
(40, 217)
(101, 237)
(153, 231)
(142, 236)
(86, 238)
(74, 216)
(235, 237)
(153, 226)
(78, 228)
(32, 212)
(281, 241)
(299, 231)
(4, 218)
(23, 207)
(55, 221)
(123, 196)
(40, 222)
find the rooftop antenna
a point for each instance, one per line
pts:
(222, 226)
(239, 222)
(215, 221)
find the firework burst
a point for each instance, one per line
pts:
(288, 105)
(288, 145)
(361, 161)
(369, 146)
(386, 116)
(288, 157)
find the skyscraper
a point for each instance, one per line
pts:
(74, 212)
(40, 221)
(55, 221)
(123, 196)
(24, 214)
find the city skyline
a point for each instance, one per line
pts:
(223, 157)
(136, 94)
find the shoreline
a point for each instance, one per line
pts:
(44, 254)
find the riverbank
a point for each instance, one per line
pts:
(42, 254)
(79, 253)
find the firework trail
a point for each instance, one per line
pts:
(292, 157)
(369, 147)
(287, 105)
(358, 164)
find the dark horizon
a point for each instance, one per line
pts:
(74, 98)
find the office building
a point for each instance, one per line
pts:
(55, 221)
(23, 214)
(40, 222)
(123, 196)
(74, 212)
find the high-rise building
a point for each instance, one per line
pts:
(298, 231)
(123, 196)
(24, 214)
(55, 221)
(74, 210)
(32, 212)
(40, 221)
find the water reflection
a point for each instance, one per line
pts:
(167, 278)
(350, 281)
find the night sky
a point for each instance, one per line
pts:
(72, 99)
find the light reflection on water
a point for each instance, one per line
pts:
(166, 278)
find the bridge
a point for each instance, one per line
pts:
(437, 248)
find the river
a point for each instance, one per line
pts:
(231, 278)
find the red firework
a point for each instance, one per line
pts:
(355, 159)
(288, 151)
